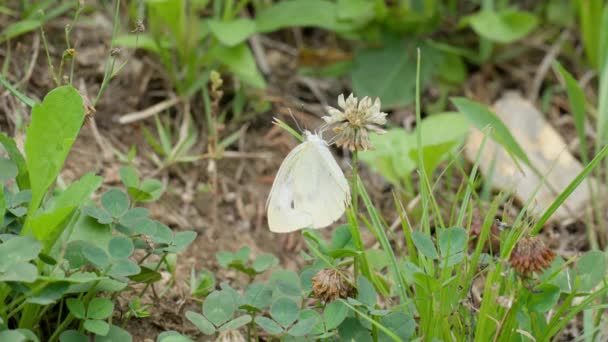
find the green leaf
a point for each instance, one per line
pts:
(124, 268)
(263, 262)
(224, 258)
(239, 60)
(386, 72)
(203, 284)
(153, 188)
(232, 32)
(115, 334)
(425, 245)
(334, 314)
(73, 336)
(181, 241)
(120, 247)
(543, 298)
(285, 311)
(503, 27)
(49, 225)
(96, 326)
(268, 325)
(482, 117)
(591, 269)
(200, 322)
(400, 324)
(19, 271)
(23, 178)
(298, 13)
(139, 40)
(162, 234)
(303, 327)
(54, 128)
(100, 308)
(115, 202)
(577, 100)
(236, 323)
(96, 256)
(287, 282)
(18, 28)
(258, 295)
(76, 307)
(50, 294)
(8, 169)
(452, 242)
(366, 293)
(134, 217)
(172, 336)
(128, 175)
(219, 307)
(146, 275)
(100, 215)
(242, 254)
(352, 330)
(18, 249)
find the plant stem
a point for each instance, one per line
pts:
(360, 261)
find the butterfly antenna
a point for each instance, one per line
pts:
(294, 120)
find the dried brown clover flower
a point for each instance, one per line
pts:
(531, 255)
(328, 285)
(355, 120)
(230, 336)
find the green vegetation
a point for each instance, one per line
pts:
(442, 269)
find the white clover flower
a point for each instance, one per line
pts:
(353, 123)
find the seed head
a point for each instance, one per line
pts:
(329, 285)
(230, 336)
(354, 121)
(531, 255)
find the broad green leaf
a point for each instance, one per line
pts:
(115, 334)
(543, 298)
(50, 294)
(49, 225)
(134, 217)
(268, 325)
(146, 275)
(200, 322)
(298, 13)
(286, 282)
(400, 324)
(263, 262)
(8, 169)
(366, 293)
(124, 268)
(76, 307)
(172, 336)
(18, 28)
(386, 72)
(120, 247)
(153, 188)
(503, 27)
(96, 256)
(100, 308)
(128, 175)
(18, 249)
(73, 336)
(303, 327)
(181, 241)
(481, 117)
(219, 307)
(425, 245)
(23, 178)
(232, 32)
(115, 202)
(352, 330)
(239, 60)
(591, 269)
(236, 323)
(258, 295)
(88, 229)
(452, 242)
(334, 314)
(19, 271)
(96, 326)
(285, 311)
(102, 216)
(54, 128)
(224, 258)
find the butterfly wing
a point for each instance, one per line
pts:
(282, 215)
(320, 188)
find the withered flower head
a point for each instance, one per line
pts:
(230, 336)
(328, 285)
(354, 121)
(531, 255)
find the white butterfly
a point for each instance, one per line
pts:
(309, 191)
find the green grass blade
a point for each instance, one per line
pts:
(569, 189)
